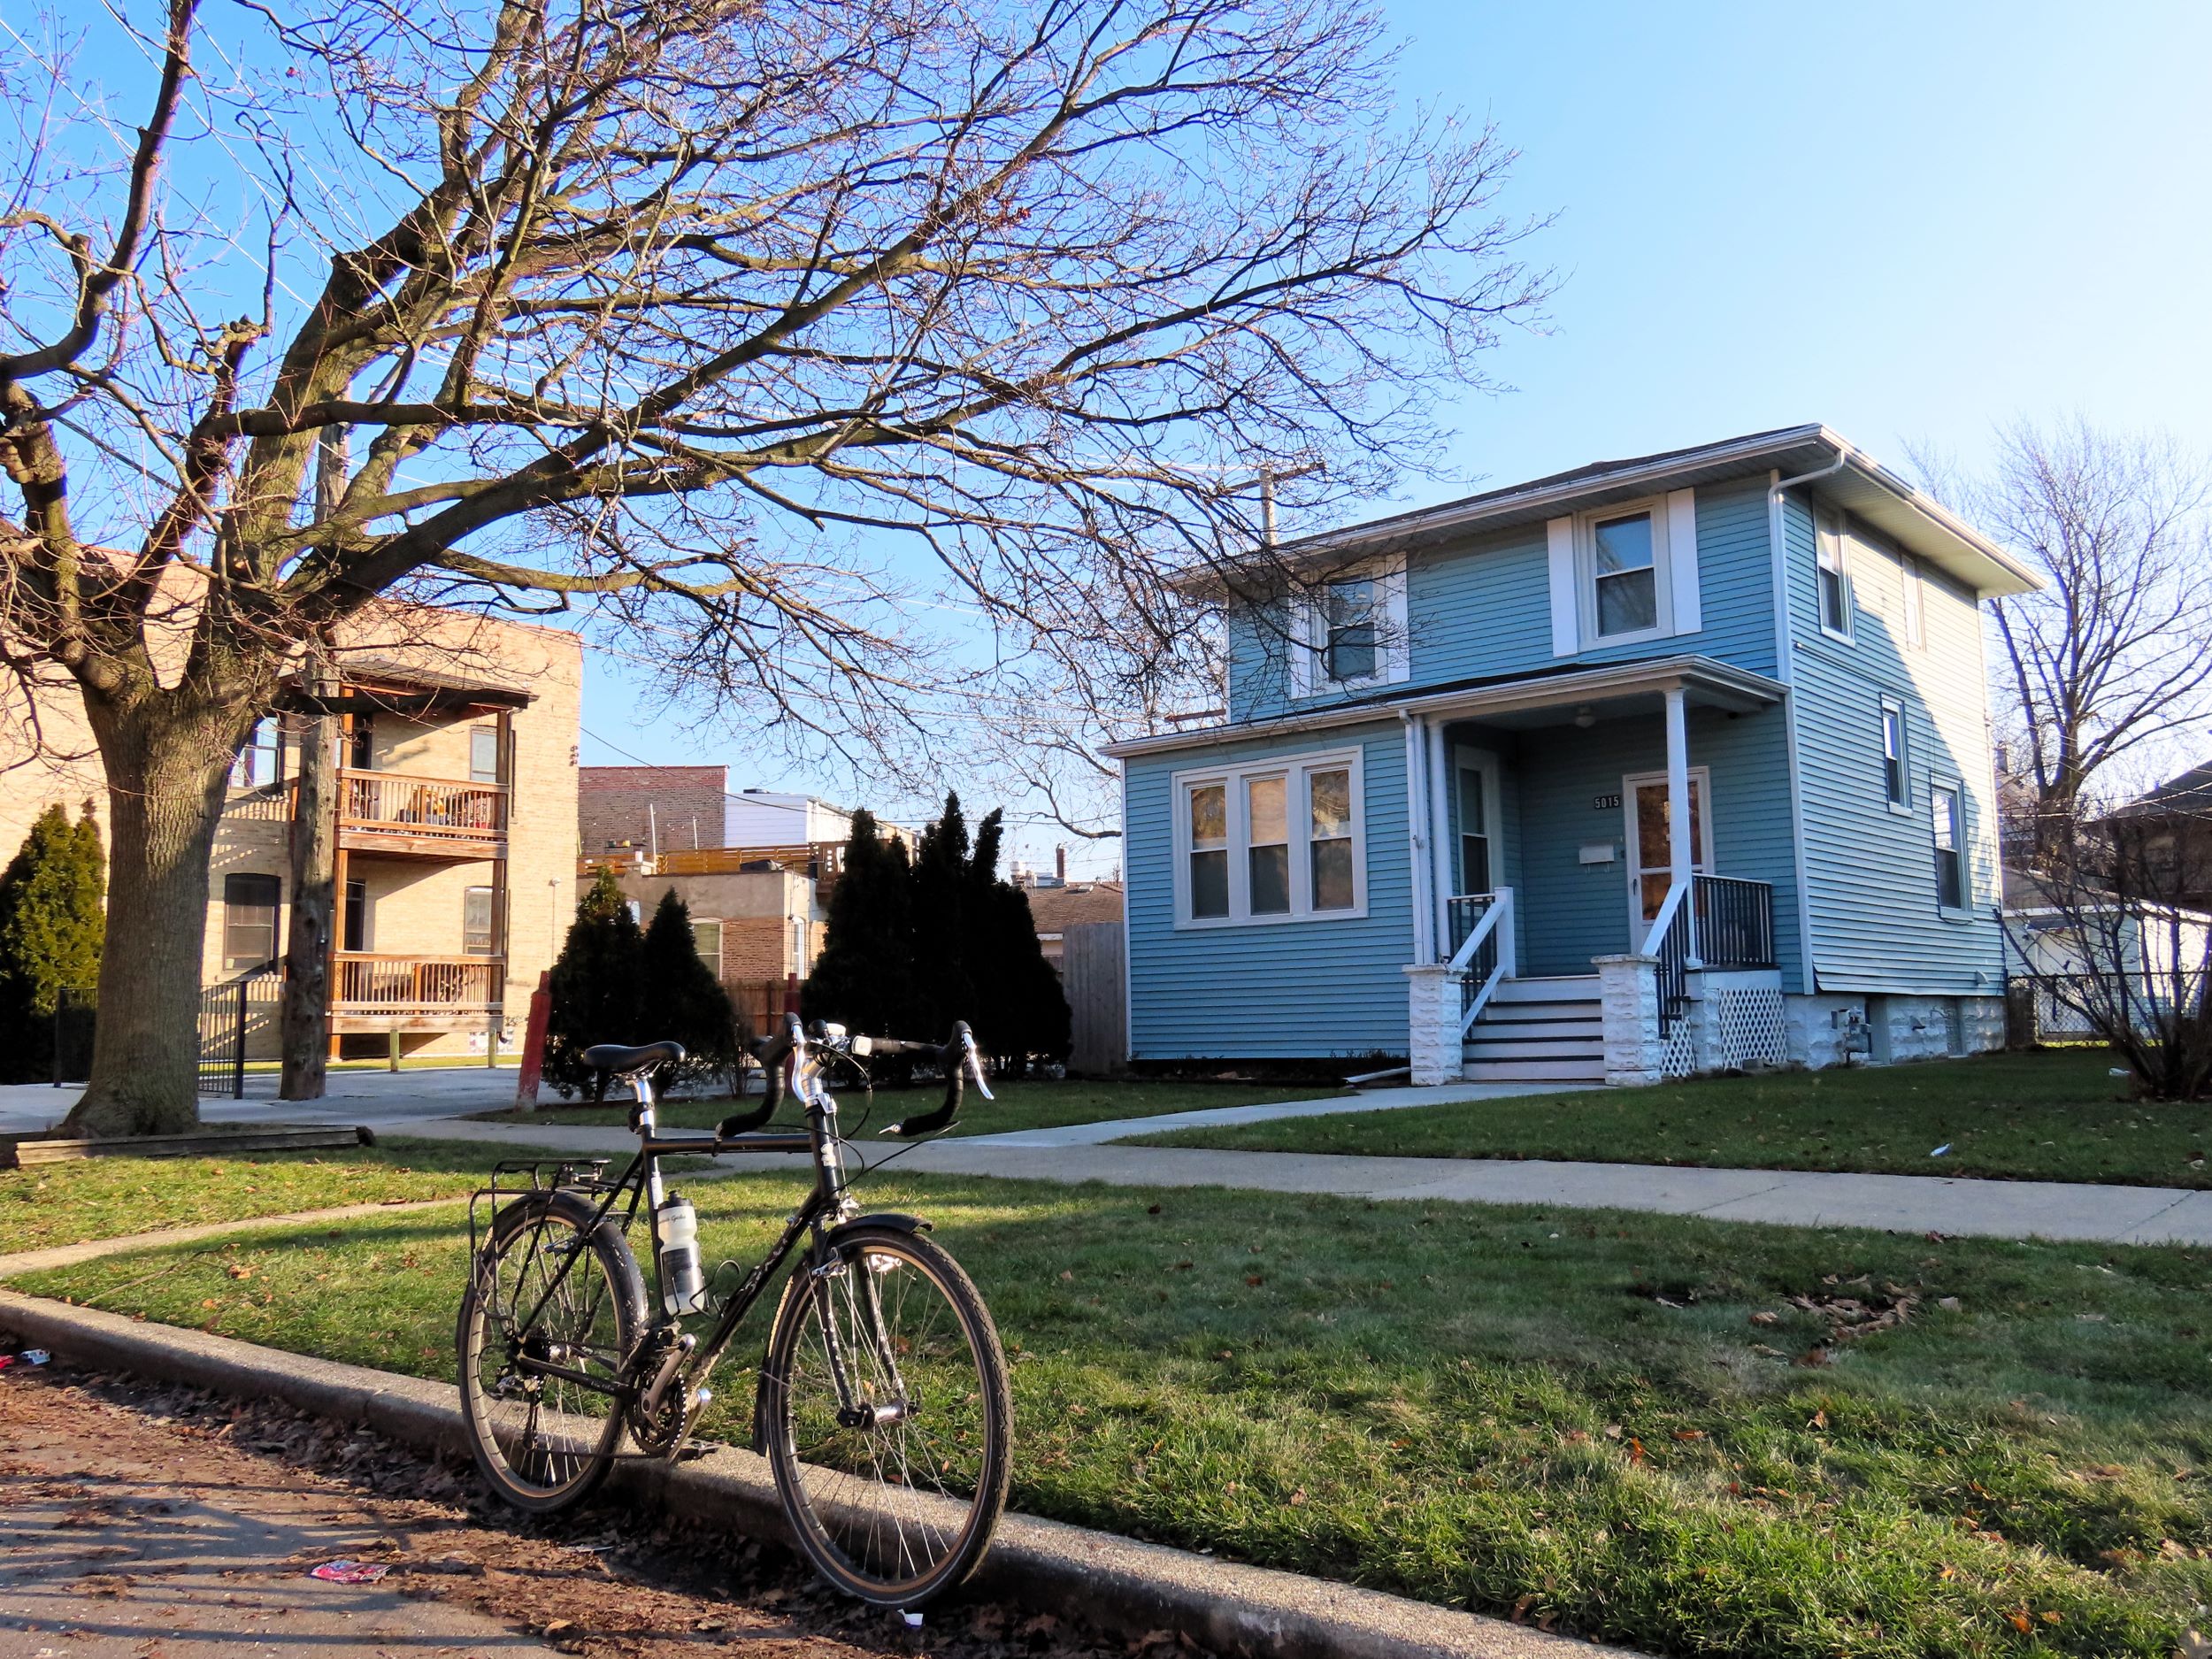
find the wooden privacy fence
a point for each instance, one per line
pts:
(1091, 977)
(761, 1004)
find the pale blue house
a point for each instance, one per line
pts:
(1660, 765)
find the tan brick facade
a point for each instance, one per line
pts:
(415, 891)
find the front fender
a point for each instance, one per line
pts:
(896, 1223)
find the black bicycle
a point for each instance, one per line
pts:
(882, 1404)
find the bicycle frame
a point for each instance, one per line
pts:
(687, 1363)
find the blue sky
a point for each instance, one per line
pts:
(1912, 223)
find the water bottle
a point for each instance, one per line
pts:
(683, 1284)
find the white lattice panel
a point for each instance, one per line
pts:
(1679, 1058)
(1750, 1029)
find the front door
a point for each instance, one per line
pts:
(1650, 855)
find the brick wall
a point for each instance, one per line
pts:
(620, 803)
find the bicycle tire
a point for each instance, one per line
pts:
(595, 1329)
(891, 1542)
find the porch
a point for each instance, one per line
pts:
(1596, 856)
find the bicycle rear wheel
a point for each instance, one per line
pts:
(895, 1483)
(553, 1309)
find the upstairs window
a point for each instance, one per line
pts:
(361, 744)
(262, 760)
(1624, 563)
(1834, 577)
(1349, 632)
(1349, 653)
(1950, 849)
(1893, 778)
(1280, 840)
(483, 753)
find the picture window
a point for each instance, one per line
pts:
(1280, 840)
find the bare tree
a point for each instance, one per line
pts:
(2107, 935)
(748, 323)
(2115, 653)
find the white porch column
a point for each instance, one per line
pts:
(1680, 846)
(1424, 871)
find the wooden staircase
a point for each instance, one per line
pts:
(1538, 1030)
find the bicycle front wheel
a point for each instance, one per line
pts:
(888, 1418)
(554, 1307)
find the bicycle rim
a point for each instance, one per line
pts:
(901, 1508)
(544, 1439)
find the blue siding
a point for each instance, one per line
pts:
(1483, 608)
(1871, 872)
(1273, 990)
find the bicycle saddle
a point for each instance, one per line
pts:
(612, 1056)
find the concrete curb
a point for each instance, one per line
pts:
(1116, 1583)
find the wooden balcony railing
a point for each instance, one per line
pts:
(438, 808)
(369, 983)
(821, 860)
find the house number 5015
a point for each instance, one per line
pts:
(1605, 802)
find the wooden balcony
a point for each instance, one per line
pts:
(397, 815)
(373, 992)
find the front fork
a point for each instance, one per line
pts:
(854, 1411)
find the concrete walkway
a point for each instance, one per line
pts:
(1905, 1204)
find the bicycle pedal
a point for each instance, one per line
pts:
(692, 1451)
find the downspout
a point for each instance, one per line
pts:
(1785, 670)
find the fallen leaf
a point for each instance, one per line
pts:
(1766, 1318)
(1949, 1304)
(1612, 1430)
(1636, 1451)
(1819, 1419)
(1689, 1434)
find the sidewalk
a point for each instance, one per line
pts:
(1906, 1204)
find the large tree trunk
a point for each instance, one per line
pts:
(314, 844)
(165, 767)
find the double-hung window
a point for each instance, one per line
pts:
(1348, 650)
(483, 753)
(1950, 848)
(1278, 839)
(249, 922)
(1895, 784)
(479, 921)
(1349, 631)
(1624, 568)
(1833, 572)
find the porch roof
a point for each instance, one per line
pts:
(1551, 696)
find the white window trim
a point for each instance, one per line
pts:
(1233, 777)
(1829, 536)
(1309, 632)
(1662, 572)
(1963, 912)
(1902, 807)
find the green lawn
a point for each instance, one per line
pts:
(1022, 1103)
(1621, 1425)
(108, 1198)
(2057, 1116)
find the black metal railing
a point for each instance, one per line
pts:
(1735, 922)
(1673, 952)
(230, 1013)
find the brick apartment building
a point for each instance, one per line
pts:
(456, 830)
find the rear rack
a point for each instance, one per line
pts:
(566, 1174)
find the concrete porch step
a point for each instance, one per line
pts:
(1533, 1048)
(1574, 1071)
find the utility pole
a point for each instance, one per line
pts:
(303, 1035)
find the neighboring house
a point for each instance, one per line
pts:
(2158, 953)
(1057, 904)
(456, 816)
(757, 922)
(650, 808)
(2179, 847)
(1658, 765)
